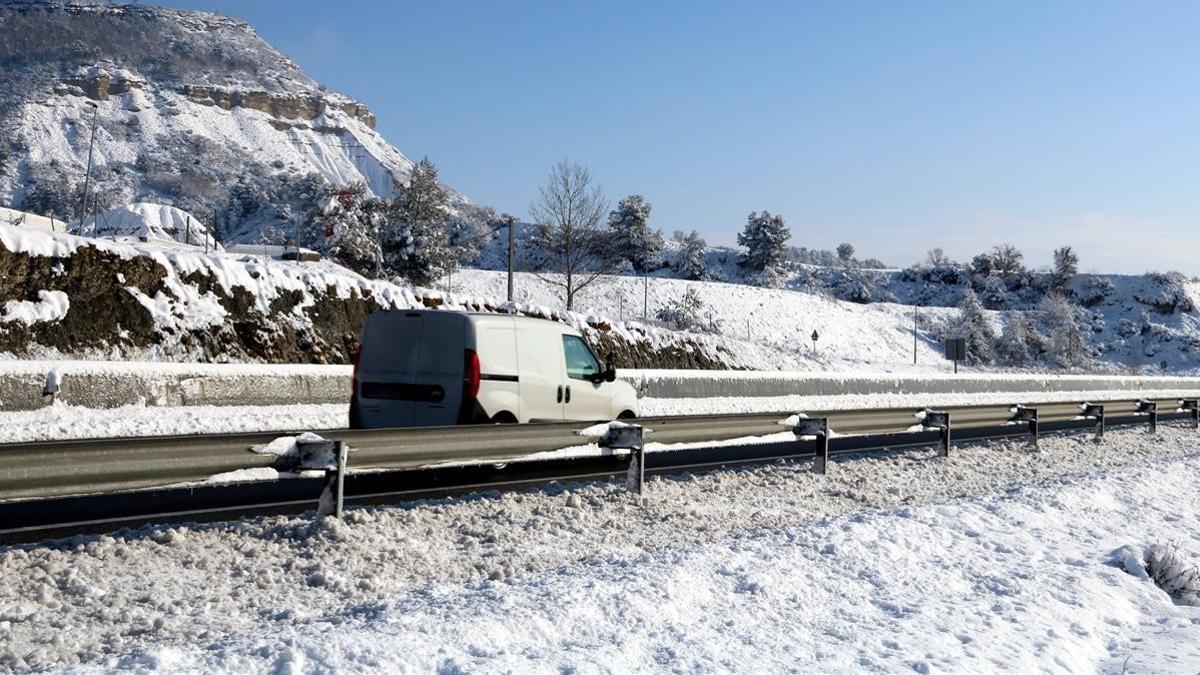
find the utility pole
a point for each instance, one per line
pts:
(510, 222)
(646, 297)
(87, 176)
(914, 335)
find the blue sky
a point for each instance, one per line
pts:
(896, 126)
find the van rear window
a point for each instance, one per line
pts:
(400, 391)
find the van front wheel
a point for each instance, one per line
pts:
(627, 415)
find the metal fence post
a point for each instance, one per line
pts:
(940, 420)
(1092, 411)
(1149, 408)
(818, 427)
(1029, 416)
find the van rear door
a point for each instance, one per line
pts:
(411, 369)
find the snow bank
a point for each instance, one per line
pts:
(151, 223)
(51, 306)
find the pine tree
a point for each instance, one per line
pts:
(1066, 266)
(633, 238)
(974, 327)
(1019, 342)
(765, 238)
(415, 240)
(1066, 345)
(691, 264)
(345, 226)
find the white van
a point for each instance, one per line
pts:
(435, 368)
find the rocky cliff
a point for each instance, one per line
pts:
(191, 109)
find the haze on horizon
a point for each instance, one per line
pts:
(894, 127)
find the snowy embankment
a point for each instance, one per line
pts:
(771, 328)
(1147, 321)
(992, 559)
(77, 297)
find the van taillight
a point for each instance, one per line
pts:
(354, 377)
(471, 374)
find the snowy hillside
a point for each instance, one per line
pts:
(1139, 324)
(192, 109)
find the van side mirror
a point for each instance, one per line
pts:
(610, 373)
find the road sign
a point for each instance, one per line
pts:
(956, 349)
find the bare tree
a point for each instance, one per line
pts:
(569, 212)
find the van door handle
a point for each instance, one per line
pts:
(560, 393)
(568, 393)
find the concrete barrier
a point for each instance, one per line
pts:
(701, 384)
(109, 384)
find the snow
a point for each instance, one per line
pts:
(766, 329)
(286, 446)
(154, 223)
(51, 306)
(992, 559)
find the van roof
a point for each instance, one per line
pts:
(472, 313)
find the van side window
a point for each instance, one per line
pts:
(581, 364)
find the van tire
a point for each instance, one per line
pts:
(627, 415)
(504, 417)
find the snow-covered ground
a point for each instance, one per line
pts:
(769, 329)
(993, 559)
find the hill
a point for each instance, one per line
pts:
(192, 109)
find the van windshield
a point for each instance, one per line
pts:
(581, 364)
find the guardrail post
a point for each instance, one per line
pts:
(629, 437)
(940, 420)
(1149, 408)
(1193, 406)
(1027, 415)
(330, 457)
(818, 427)
(1092, 411)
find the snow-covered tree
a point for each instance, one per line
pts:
(415, 242)
(1065, 346)
(936, 257)
(765, 238)
(633, 238)
(1066, 266)
(845, 253)
(690, 264)
(974, 327)
(345, 226)
(688, 313)
(1019, 342)
(1006, 260)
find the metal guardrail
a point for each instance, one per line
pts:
(79, 467)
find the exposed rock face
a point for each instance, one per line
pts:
(284, 107)
(134, 304)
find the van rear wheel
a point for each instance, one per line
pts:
(627, 415)
(504, 417)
